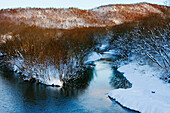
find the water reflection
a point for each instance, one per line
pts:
(76, 87)
(31, 90)
(87, 94)
(119, 81)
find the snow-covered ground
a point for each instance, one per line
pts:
(148, 94)
(1, 54)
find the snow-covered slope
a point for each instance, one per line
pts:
(148, 93)
(103, 16)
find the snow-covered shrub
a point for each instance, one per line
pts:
(44, 55)
(145, 43)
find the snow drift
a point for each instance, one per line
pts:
(148, 93)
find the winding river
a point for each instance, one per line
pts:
(17, 96)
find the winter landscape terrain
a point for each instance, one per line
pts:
(75, 49)
(72, 18)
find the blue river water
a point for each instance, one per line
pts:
(89, 96)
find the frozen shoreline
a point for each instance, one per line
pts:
(148, 93)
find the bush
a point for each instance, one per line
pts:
(144, 40)
(46, 54)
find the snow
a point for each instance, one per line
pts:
(4, 38)
(103, 47)
(1, 54)
(54, 81)
(94, 56)
(148, 94)
(49, 76)
(113, 52)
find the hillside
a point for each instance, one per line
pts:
(102, 16)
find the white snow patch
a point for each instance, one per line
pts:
(117, 21)
(54, 81)
(113, 52)
(104, 46)
(94, 56)
(49, 76)
(1, 54)
(148, 93)
(4, 38)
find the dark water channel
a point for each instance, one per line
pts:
(91, 96)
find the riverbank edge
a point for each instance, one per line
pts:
(148, 94)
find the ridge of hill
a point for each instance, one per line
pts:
(109, 15)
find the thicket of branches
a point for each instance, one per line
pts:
(47, 54)
(148, 42)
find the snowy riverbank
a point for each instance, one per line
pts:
(148, 93)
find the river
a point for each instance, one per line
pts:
(17, 96)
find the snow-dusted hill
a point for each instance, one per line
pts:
(102, 16)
